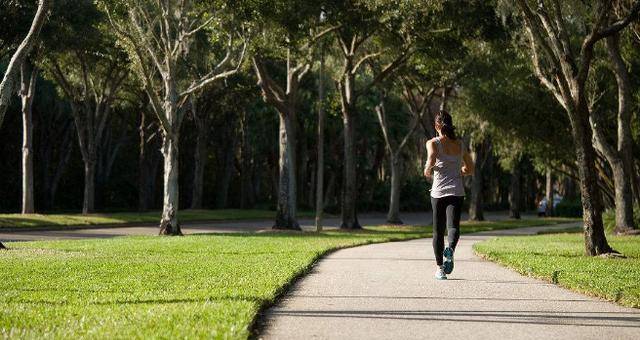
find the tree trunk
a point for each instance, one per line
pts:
(393, 216)
(320, 161)
(476, 212)
(595, 239)
(514, 192)
(349, 194)
(169, 224)
(27, 91)
(286, 210)
(65, 155)
(623, 171)
(549, 193)
(143, 194)
(247, 190)
(349, 187)
(636, 183)
(88, 202)
(222, 191)
(623, 197)
(302, 161)
(200, 158)
(21, 53)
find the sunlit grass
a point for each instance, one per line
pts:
(40, 220)
(199, 286)
(560, 258)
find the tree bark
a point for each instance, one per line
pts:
(287, 197)
(302, 160)
(200, 158)
(622, 175)
(284, 101)
(88, 201)
(349, 194)
(247, 190)
(222, 191)
(143, 194)
(549, 193)
(169, 224)
(476, 212)
(27, 91)
(67, 148)
(393, 215)
(320, 161)
(595, 239)
(19, 56)
(514, 192)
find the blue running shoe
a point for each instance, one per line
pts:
(448, 260)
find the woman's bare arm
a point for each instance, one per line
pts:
(431, 159)
(468, 168)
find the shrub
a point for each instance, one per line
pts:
(568, 208)
(414, 195)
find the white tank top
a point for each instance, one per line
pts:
(447, 175)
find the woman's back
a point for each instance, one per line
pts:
(447, 176)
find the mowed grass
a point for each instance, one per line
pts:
(199, 286)
(46, 220)
(560, 258)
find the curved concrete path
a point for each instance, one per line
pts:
(387, 291)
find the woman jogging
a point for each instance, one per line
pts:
(447, 162)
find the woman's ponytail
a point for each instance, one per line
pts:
(443, 118)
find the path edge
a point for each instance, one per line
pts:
(545, 279)
(258, 324)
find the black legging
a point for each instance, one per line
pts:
(446, 214)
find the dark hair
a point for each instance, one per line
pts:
(443, 118)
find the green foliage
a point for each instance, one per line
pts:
(568, 208)
(500, 98)
(541, 256)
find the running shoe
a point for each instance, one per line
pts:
(440, 275)
(448, 260)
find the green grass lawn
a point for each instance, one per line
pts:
(199, 286)
(540, 256)
(40, 220)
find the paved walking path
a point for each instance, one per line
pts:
(369, 219)
(387, 291)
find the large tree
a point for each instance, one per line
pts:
(618, 153)
(90, 73)
(7, 86)
(291, 45)
(369, 30)
(28, 78)
(157, 36)
(563, 68)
